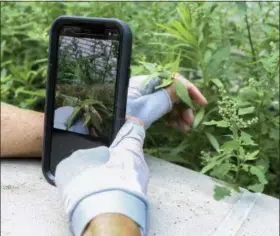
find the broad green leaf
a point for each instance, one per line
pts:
(248, 94)
(242, 103)
(259, 171)
(241, 153)
(215, 161)
(274, 134)
(257, 188)
(246, 139)
(164, 83)
(149, 66)
(252, 156)
(245, 111)
(221, 170)
(72, 118)
(208, 167)
(198, 117)
(264, 163)
(213, 141)
(183, 93)
(245, 167)
(217, 82)
(148, 78)
(221, 192)
(230, 146)
(220, 123)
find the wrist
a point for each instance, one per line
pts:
(135, 120)
(110, 202)
(119, 225)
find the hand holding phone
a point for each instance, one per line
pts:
(88, 74)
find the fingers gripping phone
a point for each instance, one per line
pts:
(88, 73)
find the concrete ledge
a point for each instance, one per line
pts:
(181, 204)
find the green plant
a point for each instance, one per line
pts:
(248, 123)
(232, 47)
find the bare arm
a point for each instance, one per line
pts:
(21, 132)
(112, 225)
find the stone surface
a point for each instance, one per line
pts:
(181, 204)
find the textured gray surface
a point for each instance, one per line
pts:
(181, 204)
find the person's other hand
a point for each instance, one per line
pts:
(150, 105)
(183, 118)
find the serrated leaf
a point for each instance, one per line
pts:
(246, 139)
(252, 156)
(274, 134)
(183, 93)
(264, 163)
(257, 188)
(217, 82)
(259, 171)
(245, 111)
(198, 118)
(221, 192)
(230, 146)
(220, 123)
(242, 153)
(221, 170)
(213, 141)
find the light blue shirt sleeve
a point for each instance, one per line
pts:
(112, 201)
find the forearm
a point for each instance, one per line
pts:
(112, 225)
(21, 132)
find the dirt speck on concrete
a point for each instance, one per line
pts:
(9, 187)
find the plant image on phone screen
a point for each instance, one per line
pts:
(84, 91)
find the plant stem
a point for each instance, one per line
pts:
(250, 38)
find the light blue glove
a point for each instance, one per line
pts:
(106, 180)
(146, 103)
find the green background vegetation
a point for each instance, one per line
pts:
(229, 50)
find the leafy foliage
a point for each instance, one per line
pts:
(229, 50)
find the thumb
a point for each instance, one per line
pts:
(150, 108)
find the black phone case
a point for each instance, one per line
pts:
(121, 81)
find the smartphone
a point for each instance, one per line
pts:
(88, 74)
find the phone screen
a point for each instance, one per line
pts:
(84, 91)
